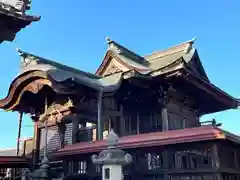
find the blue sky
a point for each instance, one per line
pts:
(74, 34)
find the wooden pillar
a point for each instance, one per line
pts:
(99, 118)
(165, 164)
(164, 117)
(45, 138)
(19, 132)
(138, 123)
(24, 148)
(75, 127)
(122, 122)
(216, 159)
(36, 145)
(164, 111)
(236, 159)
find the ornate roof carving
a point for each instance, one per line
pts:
(19, 5)
(117, 66)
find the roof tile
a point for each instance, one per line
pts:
(202, 133)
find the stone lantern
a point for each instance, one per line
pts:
(112, 159)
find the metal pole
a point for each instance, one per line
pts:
(19, 132)
(46, 130)
(99, 125)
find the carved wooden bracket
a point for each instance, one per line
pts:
(33, 87)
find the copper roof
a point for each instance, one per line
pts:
(181, 59)
(203, 133)
(150, 62)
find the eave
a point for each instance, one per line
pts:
(32, 81)
(13, 22)
(220, 95)
(198, 134)
(179, 69)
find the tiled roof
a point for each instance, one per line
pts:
(181, 58)
(61, 72)
(203, 133)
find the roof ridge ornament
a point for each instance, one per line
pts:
(26, 59)
(112, 45)
(189, 46)
(108, 39)
(20, 52)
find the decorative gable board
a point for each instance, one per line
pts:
(197, 67)
(113, 66)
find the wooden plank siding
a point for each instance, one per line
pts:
(188, 161)
(54, 140)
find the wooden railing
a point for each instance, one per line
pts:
(85, 134)
(154, 163)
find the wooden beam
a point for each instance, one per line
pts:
(122, 122)
(144, 84)
(105, 112)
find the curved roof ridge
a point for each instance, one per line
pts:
(56, 64)
(122, 49)
(171, 50)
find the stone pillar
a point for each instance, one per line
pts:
(112, 159)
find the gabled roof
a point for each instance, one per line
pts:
(180, 60)
(37, 72)
(185, 51)
(152, 62)
(124, 56)
(176, 61)
(188, 135)
(61, 73)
